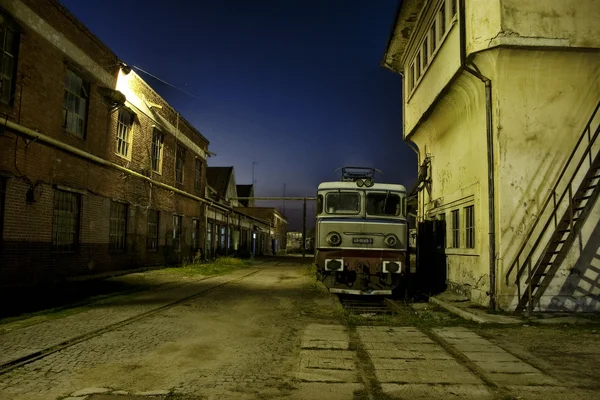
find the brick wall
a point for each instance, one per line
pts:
(27, 255)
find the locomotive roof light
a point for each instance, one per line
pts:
(369, 182)
(360, 183)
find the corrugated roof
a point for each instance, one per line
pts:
(218, 178)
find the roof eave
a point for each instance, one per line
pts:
(407, 16)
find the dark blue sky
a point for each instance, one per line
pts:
(295, 85)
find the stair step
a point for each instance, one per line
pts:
(591, 178)
(588, 187)
(559, 241)
(581, 198)
(578, 208)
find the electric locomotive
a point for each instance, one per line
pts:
(361, 236)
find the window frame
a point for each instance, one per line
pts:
(198, 175)
(469, 212)
(152, 232)
(443, 17)
(179, 158)
(128, 129)
(156, 151)
(13, 53)
(195, 234)
(455, 228)
(398, 194)
(177, 230)
(75, 231)
(117, 238)
(339, 192)
(86, 89)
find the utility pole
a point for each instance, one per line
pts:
(253, 181)
(304, 233)
(284, 199)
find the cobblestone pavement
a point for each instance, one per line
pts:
(21, 342)
(238, 341)
(271, 335)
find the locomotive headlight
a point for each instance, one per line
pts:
(369, 182)
(334, 239)
(360, 183)
(391, 240)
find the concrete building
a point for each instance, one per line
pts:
(97, 172)
(501, 99)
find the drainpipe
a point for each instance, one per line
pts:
(465, 62)
(491, 181)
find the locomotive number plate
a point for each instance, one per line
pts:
(362, 240)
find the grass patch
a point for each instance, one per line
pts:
(221, 265)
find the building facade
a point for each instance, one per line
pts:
(97, 172)
(501, 99)
(231, 231)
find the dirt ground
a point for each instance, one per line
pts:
(270, 331)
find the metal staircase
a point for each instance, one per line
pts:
(535, 268)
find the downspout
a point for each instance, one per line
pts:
(490, 152)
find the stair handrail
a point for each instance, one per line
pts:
(586, 129)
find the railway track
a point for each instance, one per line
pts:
(37, 355)
(375, 305)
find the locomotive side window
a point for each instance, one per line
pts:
(343, 203)
(387, 204)
(320, 204)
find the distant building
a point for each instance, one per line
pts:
(276, 239)
(232, 231)
(501, 99)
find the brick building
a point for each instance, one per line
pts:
(97, 172)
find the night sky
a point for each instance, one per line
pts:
(295, 85)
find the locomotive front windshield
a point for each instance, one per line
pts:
(342, 203)
(385, 204)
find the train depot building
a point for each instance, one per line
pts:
(98, 173)
(500, 99)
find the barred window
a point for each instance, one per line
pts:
(152, 236)
(209, 236)
(75, 103)
(470, 227)
(157, 150)
(179, 162)
(195, 234)
(118, 226)
(124, 124)
(455, 229)
(198, 174)
(65, 221)
(177, 231)
(8, 49)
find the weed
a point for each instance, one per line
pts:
(220, 266)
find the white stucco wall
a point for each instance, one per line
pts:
(443, 67)
(454, 136)
(544, 100)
